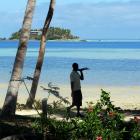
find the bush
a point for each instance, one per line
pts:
(102, 121)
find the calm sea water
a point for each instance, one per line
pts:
(110, 63)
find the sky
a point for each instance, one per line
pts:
(88, 19)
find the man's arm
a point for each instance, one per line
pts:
(81, 75)
(72, 87)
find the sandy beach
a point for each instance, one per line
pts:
(126, 97)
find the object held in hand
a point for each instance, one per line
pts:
(85, 68)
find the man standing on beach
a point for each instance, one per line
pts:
(76, 93)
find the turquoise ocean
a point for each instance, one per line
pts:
(115, 63)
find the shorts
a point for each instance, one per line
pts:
(77, 98)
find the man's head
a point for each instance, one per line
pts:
(75, 66)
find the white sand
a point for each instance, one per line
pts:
(27, 112)
(126, 97)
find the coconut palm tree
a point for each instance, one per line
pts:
(39, 63)
(9, 106)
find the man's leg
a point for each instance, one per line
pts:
(69, 108)
(78, 111)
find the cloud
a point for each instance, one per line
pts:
(97, 1)
(110, 19)
(10, 22)
(100, 20)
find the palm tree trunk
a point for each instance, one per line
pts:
(9, 106)
(39, 64)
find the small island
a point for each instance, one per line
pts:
(54, 33)
(2, 38)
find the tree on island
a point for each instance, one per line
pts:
(15, 35)
(9, 106)
(54, 33)
(39, 63)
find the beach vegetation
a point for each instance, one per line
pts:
(102, 121)
(55, 107)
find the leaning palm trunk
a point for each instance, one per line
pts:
(9, 106)
(39, 64)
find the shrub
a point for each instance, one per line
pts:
(102, 121)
